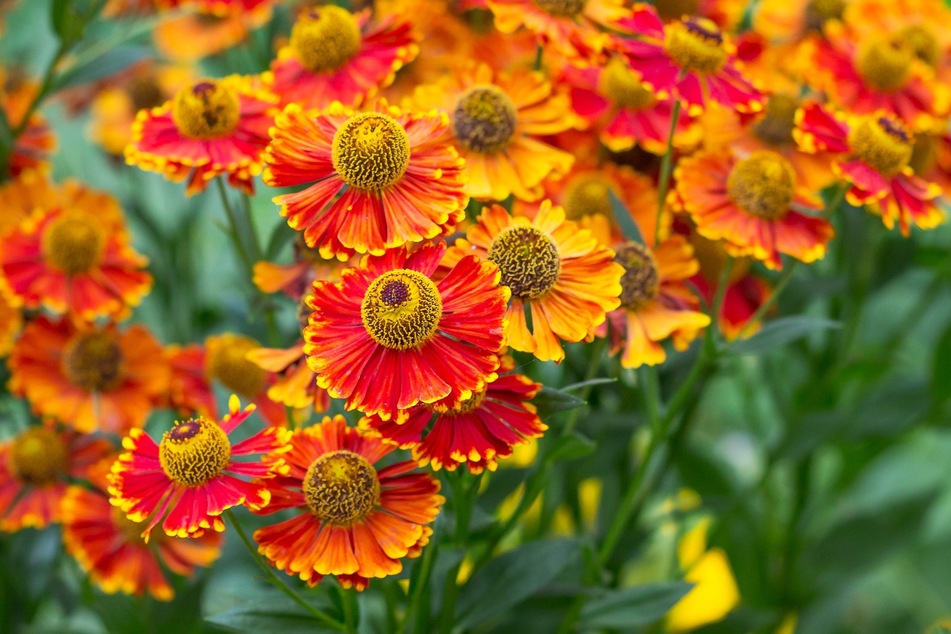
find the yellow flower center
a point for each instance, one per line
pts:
(325, 38)
(93, 361)
(370, 151)
(341, 488)
(922, 42)
(623, 88)
(527, 259)
(227, 362)
(778, 121)
(763, 184)
(194, 451)
(885, 63)
(641, 280)
(883, 142)
(676, 9)
(459, 408)
(924, 154)
(562, 8)
(206, 110)
(38, 456)
(587, 195)
(73, 244)
(484, 119)
(696, 45)
(818, 12)
(401, 309)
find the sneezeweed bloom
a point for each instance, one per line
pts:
(873, 154)
(476, 433)
(214, 127)
(556, 270)
(690, 59)
(93, 378)
(72, 253)
(388, 336)
(749, 202)
(189, 389)
(498, 120)
(397, 179)
(226, 361)
(782, 21)
(37, 468)
(356, 521)
(11, 322)
(334, 55)
(34, 146)
(197, 35)
(192, 476)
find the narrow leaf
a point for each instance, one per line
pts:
(624, 219)
(779, 332)
(632, 607)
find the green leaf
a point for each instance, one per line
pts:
(574, 387)
(511, 578)
(271, 614)
(625, 221)
(571, 447)
(941, 368)
(551, 401)
(632, 607)
(781, 331)
(67, 23)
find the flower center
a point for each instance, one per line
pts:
(484, 119)
(93, 361)
(561, 8)
(341, 488)
(587, 195)
(696, 45)
(401, 309)
(818, 12)
(676, 9)
(922, 42)
(883, 142)
(527, 259)
(194, 451)
(206, 110)
(325, 38)
(38, 456)
(641, 280)
(885, 63)
(228, 363)
(778, 121)
(73, 244)
(459, 408)
(370, 151)
(763, 184)
(623, 88)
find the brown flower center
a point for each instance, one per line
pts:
(93, 361)
(463, 407)
(818, 12)
(206, 110)
(228, 363)
(194, 451)
(562, 8)
(922, 41)
(641, 279)
(589, 194)
(883, 142)
(676, 9)
(885, 63)
(527, 259)
(38, 456)
(370, 151)
(622, 87)
(696, 44)
(484, 119)
(401, 309)
(73, 244)
(763, 184)
(325, 38)
(341, 488)
(778, 120)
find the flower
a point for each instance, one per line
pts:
(194, 36)
(210, 128)
(355, 522)
(37, 468)
(189, 389)
(226, 361)
(873, 154)
(554, 269)
(475, 433)
(89, 377)
(334, 55)
(34, 146)
(190, 478)
(71, 253)
(748, 202)
(497, 121)
(11, 321)
(786, 20)
(397, 181)
(690, 59)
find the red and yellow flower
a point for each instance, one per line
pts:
(355, 522)
(89, 377)
(226, 361)
(553, 268)
(214, 127)
(35, 144)
(192, 476)
(334, 55)
(189, 389)
(376, 180)
(199, 34)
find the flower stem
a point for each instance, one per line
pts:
(418, 608)
(465, 490)
(235, 228)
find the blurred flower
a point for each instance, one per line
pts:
(226, 361)
(190, 390)
(11, 322)
(784, 21)
(354, 521)
(35, 144)
(194, 36)
(215, 7)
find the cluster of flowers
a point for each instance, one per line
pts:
(452, 204)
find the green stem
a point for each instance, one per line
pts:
(538, 57)
(599, 348)
(235, 228)
(666, 167)
(465, 493)
(418, 608)
(276, 581)
(351, 611)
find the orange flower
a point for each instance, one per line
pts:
(334, 55)
(92, 378)
(791, 20)
(397, 181)
(356, 522)
(227, 361)
(749, 202)
(195, 36)
(211, 128)
(72, 253)
(37, 468)
(553, 268)
(387, 336)
(37, 142)
(189, 479)
(189, 389)
(497, 122)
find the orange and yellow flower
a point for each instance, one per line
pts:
(89, 377)
(334, 55)
(226, 361)
(192, 476)
(554, 269)
(35, 144)
(199, 34)
(214, 127)
(355, 522)
(189, 389)
(11, 321)
(376, 180)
